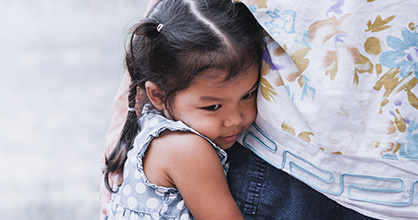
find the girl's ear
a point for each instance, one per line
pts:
(155, 95)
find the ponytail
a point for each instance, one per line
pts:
(117, 157)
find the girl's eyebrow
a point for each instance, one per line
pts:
(211, 98)
(216, 99)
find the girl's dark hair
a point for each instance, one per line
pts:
(177, 41)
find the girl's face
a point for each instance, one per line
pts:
(217, 109)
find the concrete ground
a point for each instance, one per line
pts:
(60, 65)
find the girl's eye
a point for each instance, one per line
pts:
(249, 95)
(212, 107)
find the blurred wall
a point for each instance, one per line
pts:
(60, 65)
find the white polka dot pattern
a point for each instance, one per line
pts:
(152, 203)
(127, 190)
(140, 188)
(132, 202)
(125, 173)
(181, 205)
(137, 174)
(185, 216)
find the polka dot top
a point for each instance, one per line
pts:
(137, 198)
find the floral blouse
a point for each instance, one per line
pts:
(338, 106)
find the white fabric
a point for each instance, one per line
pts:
(338, 106)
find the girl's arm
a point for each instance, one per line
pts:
(189, 163)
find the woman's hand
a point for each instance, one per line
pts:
(115, 179)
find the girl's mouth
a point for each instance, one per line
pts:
(231, 138)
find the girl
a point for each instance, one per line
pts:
(198, 62)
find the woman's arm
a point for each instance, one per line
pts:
(120, 104)
(119, 112)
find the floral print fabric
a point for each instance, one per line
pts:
(338, 106)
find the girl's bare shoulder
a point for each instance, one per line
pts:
(174, 152)
(180, 141)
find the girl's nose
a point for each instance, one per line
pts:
(233, 118)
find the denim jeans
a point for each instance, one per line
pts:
(265, 192)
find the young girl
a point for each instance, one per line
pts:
(198, 62)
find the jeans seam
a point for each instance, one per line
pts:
(254, 191)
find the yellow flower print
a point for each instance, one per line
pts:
(389, 81)
(379, 24)
(363, 65)
(331, 61)
(267, 90)
(393, 148)
(299, 59)
(259, 3)
(400, 122)
(304, 135)
(412, 98)
(373, 46)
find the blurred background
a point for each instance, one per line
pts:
(61, 62)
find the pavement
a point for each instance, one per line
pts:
(60, 65)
